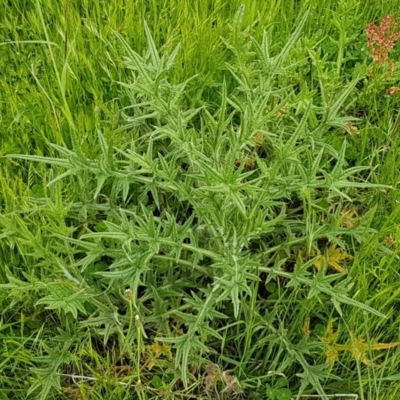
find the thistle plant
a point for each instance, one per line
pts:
(198, 245)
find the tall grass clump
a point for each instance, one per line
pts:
(212, 239)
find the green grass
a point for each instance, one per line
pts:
(198, 200)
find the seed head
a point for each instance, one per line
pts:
(382, 39)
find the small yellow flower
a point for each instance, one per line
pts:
(159, 349)
(306, 328)
(332, 355)
(259, 138)
(348, 218)
(357, 347)
(156, 351)
(334, 257)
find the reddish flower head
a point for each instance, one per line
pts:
(382, 39)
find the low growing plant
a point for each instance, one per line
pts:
(180, 255)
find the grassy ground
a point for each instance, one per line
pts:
(198, 200)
